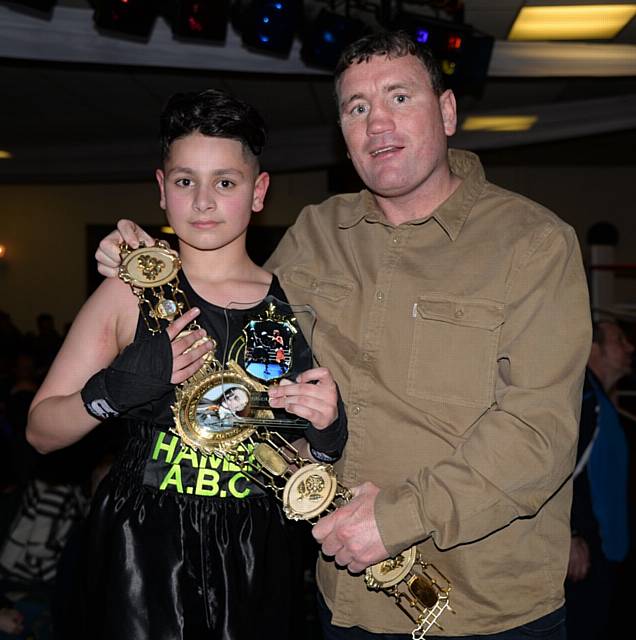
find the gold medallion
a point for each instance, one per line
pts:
(213, 408)
(149, 266)
(309, 491)
(389, 572)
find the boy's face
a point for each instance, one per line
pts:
(209, 188)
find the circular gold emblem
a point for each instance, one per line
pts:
(150, 266)
(389, 572)
(213, 409)
(309, 491)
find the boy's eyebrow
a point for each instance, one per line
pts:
(216, 172)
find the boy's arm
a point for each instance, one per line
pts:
(57, 416)
(104, 326)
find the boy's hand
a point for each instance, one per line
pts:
(186, 362)
(107, 254)
(313, 396)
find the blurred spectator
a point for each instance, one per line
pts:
(11, 620)
(600, 538)
(10, 336)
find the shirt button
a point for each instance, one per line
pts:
(379, 296)
(395, 240)
(459, 313)
(314, 284)
(366, 357)
(356, 410)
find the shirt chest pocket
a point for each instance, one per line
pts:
(454, 350)
(327, 295)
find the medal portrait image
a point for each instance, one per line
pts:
(219, 405)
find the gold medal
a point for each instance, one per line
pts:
(208, 404)
(417, 587)
(309, 491)
(153, 275)
(148, 267)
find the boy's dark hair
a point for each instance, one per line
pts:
(392, 44)
(212, 113)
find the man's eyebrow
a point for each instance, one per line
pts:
(350, 99)
(398, 86)
(402, 86)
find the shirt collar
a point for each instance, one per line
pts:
(450, 215)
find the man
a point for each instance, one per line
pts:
(599, 508)
(454, 316)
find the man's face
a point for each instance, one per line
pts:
(394, 125)
(616, 350)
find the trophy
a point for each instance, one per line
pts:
(223, 409)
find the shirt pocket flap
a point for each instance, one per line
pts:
(481, 314)
(330, 288)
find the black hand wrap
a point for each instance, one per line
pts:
(138, 376)
(326, 445)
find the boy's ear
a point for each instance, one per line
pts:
(260, 189)
(161, 181)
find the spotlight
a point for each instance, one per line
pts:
(199, 19)
(132, 17)
(463, 53)
(270, 25)
(327, 37)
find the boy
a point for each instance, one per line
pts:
(180, 545)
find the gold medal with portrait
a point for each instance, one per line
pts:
(226, 401)
(208, 404)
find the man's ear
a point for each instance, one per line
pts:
(261, 185)
(161, 181)
(448, 108)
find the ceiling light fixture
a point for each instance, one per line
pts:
(5, 155)
(499, 123)
(571, 22)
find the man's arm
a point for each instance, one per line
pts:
(519, 453)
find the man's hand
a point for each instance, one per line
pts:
(579, 563)
(186, 360)
(107, 254)
(313, 396)
(351, 534)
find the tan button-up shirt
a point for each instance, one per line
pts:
(459, 342)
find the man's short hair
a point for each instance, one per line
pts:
(392, 44)
(213, 113)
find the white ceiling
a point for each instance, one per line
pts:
(80, 105)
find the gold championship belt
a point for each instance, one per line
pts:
(223, 409)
